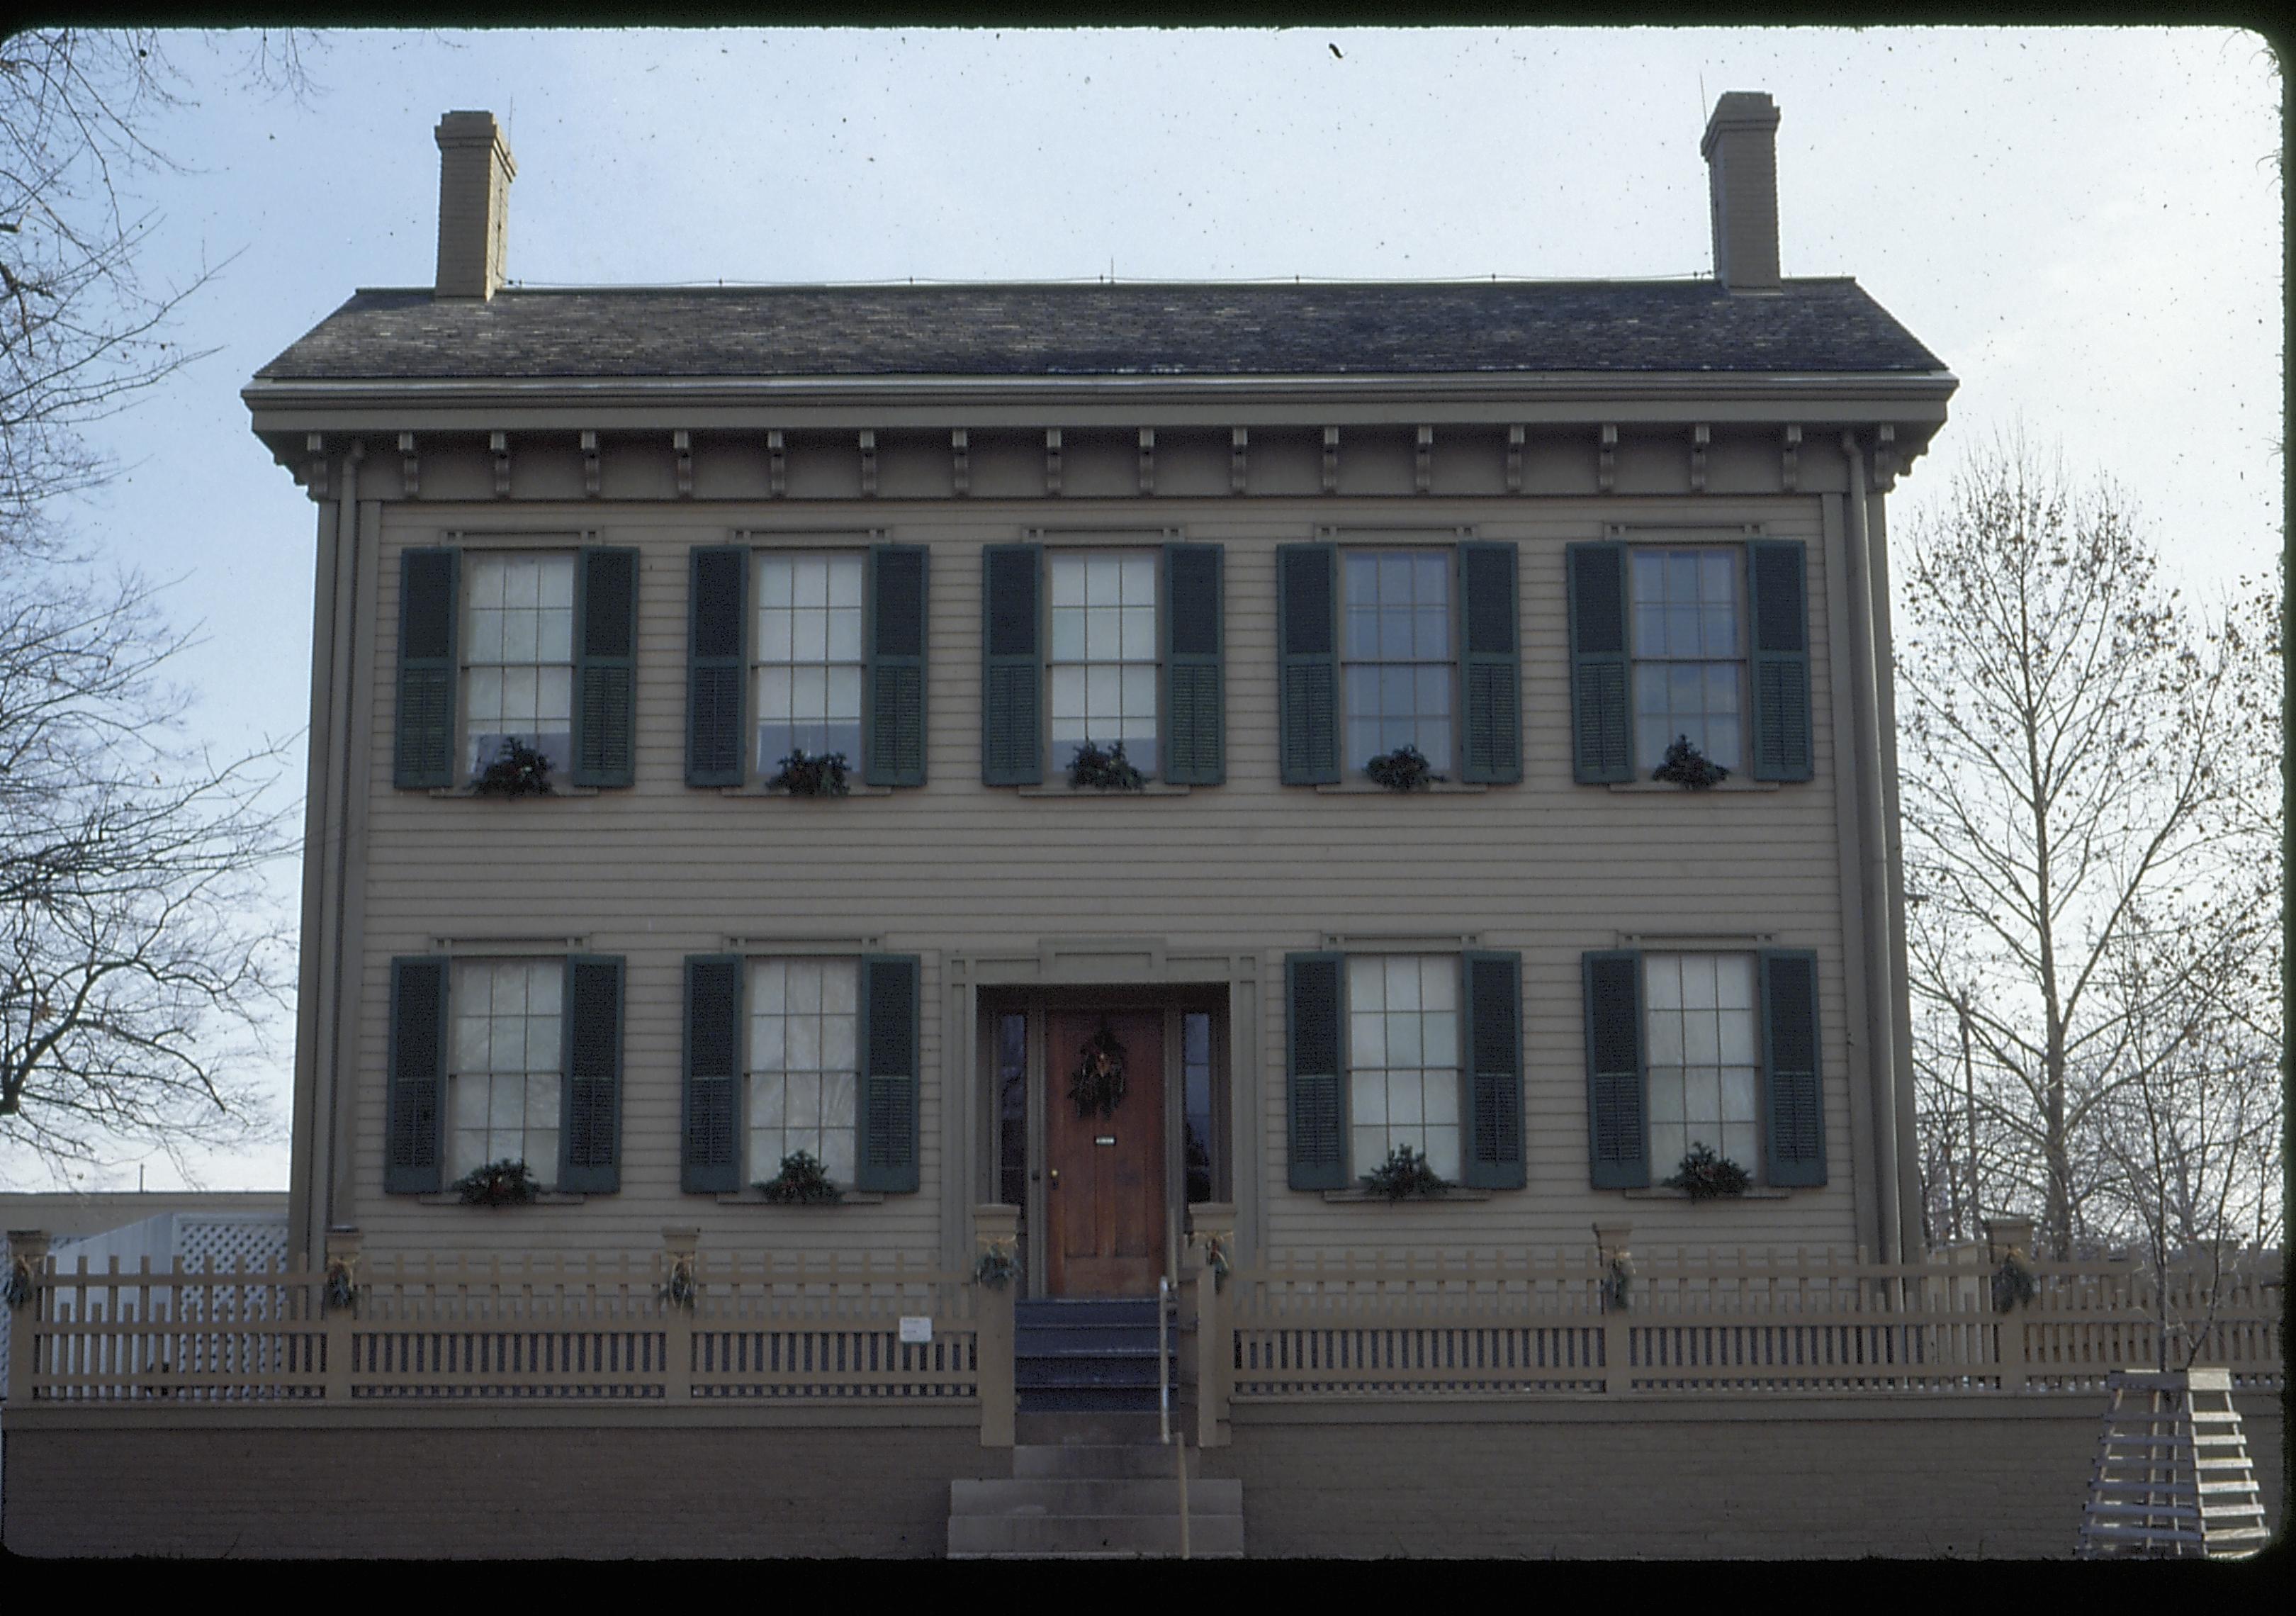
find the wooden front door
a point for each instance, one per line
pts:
(1104, 1179)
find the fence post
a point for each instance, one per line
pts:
(1614, 1291)
(680, 1254)
(1215, 1328)
(30, 1248)
(342, 1257)
(995, 1231)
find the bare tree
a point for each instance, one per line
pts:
(2085, 758)
(136, 963)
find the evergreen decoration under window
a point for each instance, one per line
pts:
(1707, 1176)
(1404, 769)
(802, 1181)
(504, 1182)
(1405, 1176)
(518, 770)
(806, 776)
(2013, 1282)
(1103, 771)
(1688, 767)
(1097, 1083)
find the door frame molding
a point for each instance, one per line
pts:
(1101, 970)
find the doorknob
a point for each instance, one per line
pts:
(1056, 1176)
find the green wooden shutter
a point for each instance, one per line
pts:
(893, 686)
(1778, 598)
(1794, 1096)
(1307, 631)
(1617, 1142)
(606, 666)
(424, 755)
(1493, 1026)
(887, 1159)
(1012, 666)
(1315, 1049)
(590, 1117)
(1602, 727)
(1195, 695)
(710, 1157)
(416, 1099)
(717, 664)
(1490, 664)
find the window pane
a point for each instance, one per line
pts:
(1431, 632)
(810, 577)
(845, 582)
(1068, 635)
(1102, 581)
(1139, 633)
(1431, 580)
(1367, 1092)
(1717, 576)
(1068, 580)
(775, 587)
(1068, 692)
(1367, 982)
(1402, 973)
(1363, 632)
(1139, 580)
(845, 634)
(1395, 580)
(1359, 575)
(1103, 639)
(1681, 576)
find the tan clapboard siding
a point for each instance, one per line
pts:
(1549, 869)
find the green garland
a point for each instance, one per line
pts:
(1405, 1176)
(1708, 1177)
(801, 1182)
(505, 1182)
(518, 770)
(1097, 1083)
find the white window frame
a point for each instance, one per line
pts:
(478, 552)
(794, 548)
(1445, 548)
(760, 1165)
(1127, 667)
(1450, 1163)
(461, 1070)
(1733, 548)
(1673, 1083)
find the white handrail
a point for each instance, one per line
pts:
(1164, 1402)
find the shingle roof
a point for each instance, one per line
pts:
(1175, 330)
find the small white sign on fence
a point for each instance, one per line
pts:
(916, 1332)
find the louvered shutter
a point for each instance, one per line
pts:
(1012, 666)
(424, 752)
(1794, 1094)
(1316, 1047)
(606, 668)
(1195, 697)
(590, 1122)
(1492, 1024)
(709, 1158)
(1490, 664)
(1617, 1140)
(887, 1159)
(1778, 597)
(893, 686)
(416, 1099)
(717, 664)
(1602, 728)
(1308, 697)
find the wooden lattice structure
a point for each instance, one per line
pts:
(2173, 1478)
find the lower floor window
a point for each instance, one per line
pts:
(802, 1064)
(506, 1074)
(1702, 1057)
(1402, 1058)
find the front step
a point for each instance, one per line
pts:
(1085, 1354)
(1091, 1499)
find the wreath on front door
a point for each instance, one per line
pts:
(1097, 1084)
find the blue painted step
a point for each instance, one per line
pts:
(1095, 1355)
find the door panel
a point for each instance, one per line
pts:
(1105, 1210)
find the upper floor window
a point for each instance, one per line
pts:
(808, 657)
(1128, 643)
(1689, 652)
(534, 645)
(1103, 660)
(518, 657)
(1380, 649)
(1397, 658)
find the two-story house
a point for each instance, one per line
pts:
(1260, 537)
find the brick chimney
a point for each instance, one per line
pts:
(474, 175)
(1741, 150)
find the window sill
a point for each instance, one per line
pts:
(1154, 788)
(851, 790)
(555, 791)
(547, 1198)
(1371, 788)
(1667, 786)
(851, 1198)
(1456, 1192)
(1659, 1192)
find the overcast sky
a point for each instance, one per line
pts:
(2085, 224)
